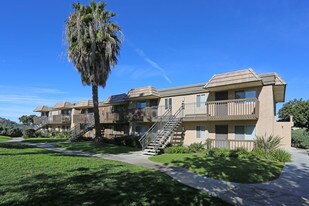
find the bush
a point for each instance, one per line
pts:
(196, 147)
(130, 141)
(176, 150)
(300, 138)
(14, 132)
(29, 133)
(269, 143)
(259, 153)
(240, 152)
(219, 152)
(280, 155)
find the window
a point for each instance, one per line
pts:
(200, 100)
(141, 105)
(243, 94)
(245, 132)
(200, 132)
(168, 103)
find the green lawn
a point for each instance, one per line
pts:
(44, 140)
(4, 138)
(250, 170)
(32, 176)
(88, 146)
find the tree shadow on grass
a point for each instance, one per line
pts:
(108, 185)
(21, 149)
(99, 149)
(232, 169)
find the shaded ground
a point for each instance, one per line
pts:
(32, 176)
(98, 149)
(241, 170)
(44, 140)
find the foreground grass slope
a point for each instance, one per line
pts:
(32, 176)
(90, 146)
(242, 170)
(4, 138)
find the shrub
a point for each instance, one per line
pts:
(29, 133)
(208, 144)
(280, 155)
(300, 138)
(219, 152)
(14, 132)
(196, 147)
(130, 141)
(269, 143)
(176, 150)
(275, 155)
(240, 152)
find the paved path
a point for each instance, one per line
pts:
(291, 188)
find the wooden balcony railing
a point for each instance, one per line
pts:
(54, 119)
(82, 118)
(235, 109)
(110, 117)
(147, 114)
(230, 144)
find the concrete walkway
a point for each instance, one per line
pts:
(291, 188)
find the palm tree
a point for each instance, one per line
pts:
(93, 46)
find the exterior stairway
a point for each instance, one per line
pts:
(40, 122)
(159, 134)
(78, 131)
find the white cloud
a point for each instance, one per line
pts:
(152, 63)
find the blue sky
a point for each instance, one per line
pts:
(167, 43)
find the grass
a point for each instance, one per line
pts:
(241, 170)
(4, 138)
(89, 146)
(44, 140)
(32, 176)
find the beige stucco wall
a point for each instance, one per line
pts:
(284, 130)
(265, 123)
(190, 129)
(177, 101)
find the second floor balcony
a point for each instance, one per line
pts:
(82, 118)
(112, 117)
(235, 109)
(54, 119)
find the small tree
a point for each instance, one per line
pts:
(299, 109)
(27, 120)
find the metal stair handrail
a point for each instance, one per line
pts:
(178, 114)
(43, 122)
(76, 130)
(147, 137)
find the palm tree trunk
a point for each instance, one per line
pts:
(97, 125)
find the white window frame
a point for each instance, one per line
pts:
(199, 130)
(199, 101)
(168, 103)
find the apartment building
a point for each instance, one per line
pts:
(229, 110)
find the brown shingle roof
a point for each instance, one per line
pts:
(63, 105)
(237, 77)
(84, 104)
(42, 109)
